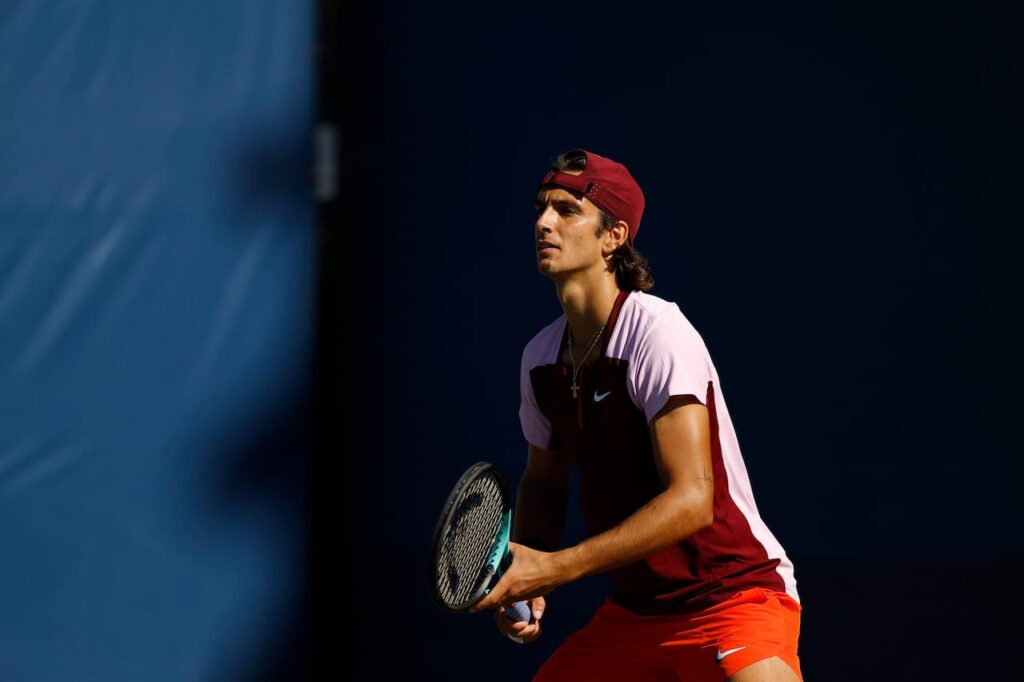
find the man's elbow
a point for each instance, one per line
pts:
(707, 514)
(702, 511)
(694, 512)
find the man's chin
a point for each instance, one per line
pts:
(546, 268)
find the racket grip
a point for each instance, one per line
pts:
(517, 612)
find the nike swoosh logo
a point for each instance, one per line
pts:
(722, 654)
(599, 398)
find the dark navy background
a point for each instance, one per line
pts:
(833, 201)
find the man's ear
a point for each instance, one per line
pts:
(615, 237)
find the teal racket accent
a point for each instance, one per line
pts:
(501, 545)
(498, 563)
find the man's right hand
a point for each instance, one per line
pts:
(522, 631)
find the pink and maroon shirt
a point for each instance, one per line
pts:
(650, 352)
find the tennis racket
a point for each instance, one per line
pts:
(470, 548)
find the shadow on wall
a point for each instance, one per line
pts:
(263, 477)
(262, 463)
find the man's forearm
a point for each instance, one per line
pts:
(664, 521)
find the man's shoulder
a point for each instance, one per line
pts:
(650, 306)
(647, 313)
(553, 329)
(653, 321)
(543, 347)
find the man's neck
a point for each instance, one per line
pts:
(587, 304)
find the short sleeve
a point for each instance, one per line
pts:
(536, 427)
(671, 360)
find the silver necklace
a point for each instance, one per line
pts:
(575, 387)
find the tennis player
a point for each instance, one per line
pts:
(621, 388)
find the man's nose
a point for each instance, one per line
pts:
(544, 220)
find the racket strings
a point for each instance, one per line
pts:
(474, 525)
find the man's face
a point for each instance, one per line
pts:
(566, 233)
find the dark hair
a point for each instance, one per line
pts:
(632, 273)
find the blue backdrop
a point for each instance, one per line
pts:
(156, 326)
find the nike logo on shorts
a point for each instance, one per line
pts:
(722, 654)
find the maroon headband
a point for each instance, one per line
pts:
(609, 185)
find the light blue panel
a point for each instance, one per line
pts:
(156, 329)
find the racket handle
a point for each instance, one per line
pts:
(517, 612)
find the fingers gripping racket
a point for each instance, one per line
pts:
(470, 549)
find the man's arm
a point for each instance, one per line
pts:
(681, 440)
(539, 518)
(542, 499)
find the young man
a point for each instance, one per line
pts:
(622, 388)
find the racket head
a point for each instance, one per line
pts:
(470, 538)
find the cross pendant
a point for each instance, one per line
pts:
(574, 389)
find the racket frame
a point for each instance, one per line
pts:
(499, 549)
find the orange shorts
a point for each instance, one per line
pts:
(707, 646)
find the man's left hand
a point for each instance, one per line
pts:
(532, 574)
